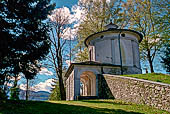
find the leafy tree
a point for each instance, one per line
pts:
(3, 96)
(27, 42)
(55, 95)
(5, 47)
(97, 14)
(60, 21)
(149, 18)
(166, 57)
(82, 55)
(14, 93)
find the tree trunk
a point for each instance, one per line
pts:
(151, 65)
(60, 70)
(60, 76)
(150, 62)
(15, 82)
(26, 96)
(62, 89)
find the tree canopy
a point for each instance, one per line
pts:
(166, 57)
(24, 36)
(151, 19)
(97, 14)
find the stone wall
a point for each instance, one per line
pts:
(135, 90)
(70, 87)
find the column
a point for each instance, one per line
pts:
(76, 84)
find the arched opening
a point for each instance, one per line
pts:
(87, 84)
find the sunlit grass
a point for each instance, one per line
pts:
(76, 107)
(157, 77)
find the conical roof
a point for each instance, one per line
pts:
(111, 26)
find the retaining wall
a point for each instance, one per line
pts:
(135, 90)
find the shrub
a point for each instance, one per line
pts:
(55, 95)
(14, 93)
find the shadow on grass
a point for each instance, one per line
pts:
(107, 102)
(34, 107)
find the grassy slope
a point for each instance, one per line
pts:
(157, 77)
(76, 107)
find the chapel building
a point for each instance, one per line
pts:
(112, 51)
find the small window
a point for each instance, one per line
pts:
(101, 37)
(123, 35)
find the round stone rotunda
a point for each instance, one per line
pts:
(117, 47)
(112, 51)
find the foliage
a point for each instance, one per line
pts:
(97, 13)
(3, 96)
(55, 95)
(26, 41)
(78, 107)
(59, 21)
(82, 55)
(157, 77)
(14, 93)
(166, 57)
(5, 47)
(149, 18)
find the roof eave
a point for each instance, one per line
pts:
(112, 29)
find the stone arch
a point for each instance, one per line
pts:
(88, 81)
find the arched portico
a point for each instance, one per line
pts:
(85, 81)
(88, 84)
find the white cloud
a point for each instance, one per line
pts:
(75, 18)
(78, 13)
(45, 71)
(42, 86)
(69, 33)
(68, 62)
(59, 13)
(62, 15)
(85, 1)
(22, 86)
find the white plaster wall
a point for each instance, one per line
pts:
(107, 49)
(126, 51)
(78, 70)
(70, 87)
(136, 58)
(103, 51)
(76, 83)
(115, 51)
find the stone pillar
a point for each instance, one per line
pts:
(69, 88)
(97, 85)
(76, 84)
(136, 58)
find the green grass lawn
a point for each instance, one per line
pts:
(76, 107)
(157, 77)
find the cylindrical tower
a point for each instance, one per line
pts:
(117, 47)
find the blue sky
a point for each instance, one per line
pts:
(43, 79)
(66, 3)
(45, 76)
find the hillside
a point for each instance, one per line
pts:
(36, 96)
(76, 107)
(157, 77)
